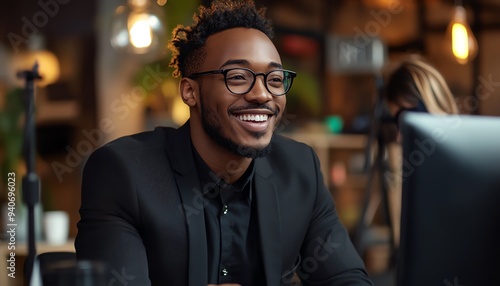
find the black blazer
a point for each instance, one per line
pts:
(142, 214)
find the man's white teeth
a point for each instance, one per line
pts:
(253, 117)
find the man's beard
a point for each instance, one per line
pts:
(213, 127)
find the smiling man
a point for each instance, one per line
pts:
(222, 199)
(237, 99)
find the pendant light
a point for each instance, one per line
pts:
(460, 38)
(139, 27)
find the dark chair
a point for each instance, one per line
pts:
(63, 269)
(57, 268)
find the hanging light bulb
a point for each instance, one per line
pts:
(460, 37)
(138, 27)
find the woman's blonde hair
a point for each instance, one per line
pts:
(415, 80)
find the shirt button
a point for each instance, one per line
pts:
(225, 272)
(224, 209)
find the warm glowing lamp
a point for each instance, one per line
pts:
(48, 65)
(460, 36)
(138, 27)
(47, 61)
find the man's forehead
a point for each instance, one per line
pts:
(246, 44)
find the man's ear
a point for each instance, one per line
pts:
(189, 91)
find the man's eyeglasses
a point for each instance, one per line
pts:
(241, 80)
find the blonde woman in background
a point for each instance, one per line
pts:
(417, 86)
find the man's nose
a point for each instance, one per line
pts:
(259, 92)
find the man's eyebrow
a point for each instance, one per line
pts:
(235, 62)
(275, 65)
(247, 63)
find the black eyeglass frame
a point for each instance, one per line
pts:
(225, 71)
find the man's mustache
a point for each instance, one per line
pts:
(253, 106)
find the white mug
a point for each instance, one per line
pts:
(56, 227)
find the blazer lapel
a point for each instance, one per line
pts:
(269, 221)
(182, 161)
(195, 219)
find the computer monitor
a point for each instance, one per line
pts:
(450, 224)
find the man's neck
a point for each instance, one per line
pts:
(224, 163)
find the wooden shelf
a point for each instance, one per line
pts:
(324, 143)
(328, 140)
(334, 148)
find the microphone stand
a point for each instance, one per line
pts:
(31, 181)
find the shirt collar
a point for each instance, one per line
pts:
(209, 179)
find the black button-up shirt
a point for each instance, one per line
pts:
(231, 224)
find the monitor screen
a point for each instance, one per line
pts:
(450, 224)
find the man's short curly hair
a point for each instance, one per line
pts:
(188, 43)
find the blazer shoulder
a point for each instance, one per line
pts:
(288, 145)
(147, 144)
(288, 153)
(152, 139)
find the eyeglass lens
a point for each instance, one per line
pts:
(240, 81)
